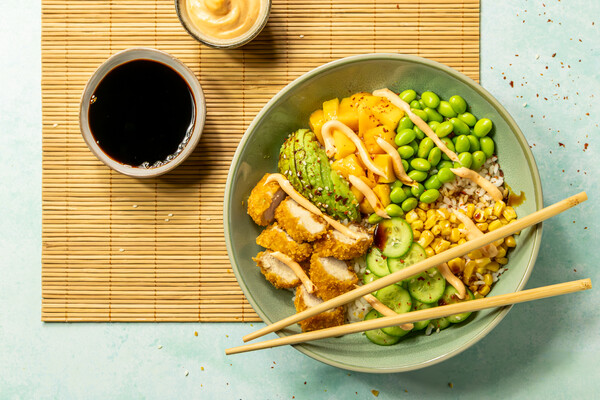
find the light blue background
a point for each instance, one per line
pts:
(547, 349)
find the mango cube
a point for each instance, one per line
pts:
(371, 135)
(348, 114)
(316, 121)
(348, 165)
(388, 114)
(330, 109)
(384, 162)
(343, 145)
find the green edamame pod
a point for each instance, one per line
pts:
(419, 132)
(474, 143)
(420, 164)
(420, 113)
(394, 210)
(460, 128)
(423, 106)
(433, 125)
(418, 176)
(397, 195)
(487, 146)
(433, 115)
(408, 95)
(446, 109)
(445, 164)
(407, 192)
(409, 204)
(415, 105)
(405, 163)
(465, 159)
(404, 137)
(405, 123)
(458, 104)
(406, 152)
(433, 182)
(430, 99)
(425, 147)
(468, 118)
(462, 144)
(449, 145)
(444, 129)
(430, 196)
(417, 190)
(445, 175)
(396, 184)
(434, 157)
(482, 127)
(478, 160)
(374, 219)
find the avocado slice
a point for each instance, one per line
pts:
(345, 204)
(286, 165)
(300, 156)
(313, 169)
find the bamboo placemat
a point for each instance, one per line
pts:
(121, 249)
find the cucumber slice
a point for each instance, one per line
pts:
(427, 288)
(394, 237)
(440, 323)
(417, 305)
(369, 277)
(377, 336)
(377, 263)
(414, 255)
(451, 297)
(398, 299)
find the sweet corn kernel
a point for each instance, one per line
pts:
(424, 206)
(430, 221)
(482, 226)
(435, 242)
(445, 225)
(494, 266)
(488, 213)
(416, 234)
(453, 245)
(443, 213)
(478, 295)
(446, 231)
(411, 216)
(429, 251)
(469, 268)
(479, 216)
(494, 225)
(454, 235)
(436, 230)
(510, 241)
(475, 254)
(470, 210)
(462, 241)
(461, 226)
(456, 265)
(481, 270)
(509, 213)
(421, 213)
(498, 208)
(487, 278)
(501, 251)
(453, 218)
(442, 245)
(501, 260)
(418, 225)
(484, 290)
(482, 262)
(426, 238)
(510, 222)
(498, 242)
(473, 288)
(429, 213)
(503, 220)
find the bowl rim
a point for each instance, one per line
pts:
(133, 54)
(536, 233)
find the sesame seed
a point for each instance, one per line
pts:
(135, 206)
(121, 249)
(186, 372)
(159, 346)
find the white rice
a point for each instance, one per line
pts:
(358, 309)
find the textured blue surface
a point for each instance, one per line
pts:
(547, 349)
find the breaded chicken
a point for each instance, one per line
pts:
(342, 247)
(331, 276)
(263, 201)
(280, 275)
(275, 238)
(326, 319)
(298, 222)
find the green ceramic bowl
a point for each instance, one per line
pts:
(288, 111)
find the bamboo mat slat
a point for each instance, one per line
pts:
(120, 249)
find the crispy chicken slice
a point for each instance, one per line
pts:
(326, 319)
(280, 275)
(275, 238)
(263, 200)
(331, 276)
(342, 247)
(298, 222)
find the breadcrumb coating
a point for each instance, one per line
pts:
(276, 239)
(299, 223)
(263, 201)
(331, 276)
(335, 244)
(280, 275)
(326, 319)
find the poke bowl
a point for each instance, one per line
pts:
(512, 168)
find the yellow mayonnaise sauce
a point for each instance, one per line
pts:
(223, 19)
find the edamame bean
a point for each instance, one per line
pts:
(396, 184)
(445, 164)
(454, 139)
(409, 204)
(434, 157)
(420, 164)
(407, 192)
(462, 144)
(430, 99)
(415, 104)
(423, 106)
(450, 147)
(487, 146)
(420, 113)
(408, 95)
(405, 123)
(374, 219)
(468, 118)
(394, 210)
(474, 143)
(397, 195)
(406, 152)
(460, 128)
(425, 147)
(417, 190)
(433, 125)
(405, 164)
(482, 127)
(430, 196)
(445, 175)
(414, 145)
(419, 132)
(404, 137)
(478, 160)
(446, 109)
(418, 176)
(433, 182)
(444, 129)
(458, 104)
(433, 115)
(465, 159)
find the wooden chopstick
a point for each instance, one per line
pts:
(421, 266)
(422, 315)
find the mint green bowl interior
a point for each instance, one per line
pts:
(288, 111)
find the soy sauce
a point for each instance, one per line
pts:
(142, 113)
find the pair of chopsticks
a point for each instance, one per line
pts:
(436, 312)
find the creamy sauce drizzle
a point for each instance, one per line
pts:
(385, 310)
(453, 280)
(473, 232)
(489, 187)
(297, 269)
(369, 195)
(223, 19)
(396, 162)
